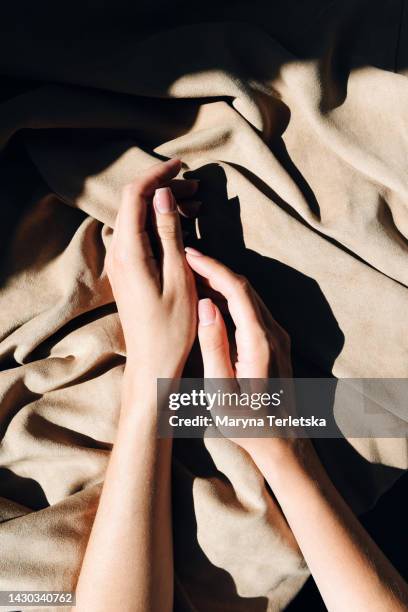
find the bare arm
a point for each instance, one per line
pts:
(349, 569)
(128, 564)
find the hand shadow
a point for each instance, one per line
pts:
(295, 300)
(298, 304)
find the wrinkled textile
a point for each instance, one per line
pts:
(294, 116)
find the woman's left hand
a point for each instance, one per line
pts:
(156, 297)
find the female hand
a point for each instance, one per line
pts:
(156, 301)
(350, 571)
(156, 297)
(262, 345)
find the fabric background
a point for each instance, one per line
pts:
(294, 117)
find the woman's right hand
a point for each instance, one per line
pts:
(349, 569)
(262, 345)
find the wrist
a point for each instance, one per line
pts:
(137, 385)
(280, 456)
(143, 371)
(140, 391)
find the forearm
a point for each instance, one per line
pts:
(349, 569)
(128, 563)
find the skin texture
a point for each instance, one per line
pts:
(128, 564)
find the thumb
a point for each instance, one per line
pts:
(213, 338)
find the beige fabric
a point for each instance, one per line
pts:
(295, 120)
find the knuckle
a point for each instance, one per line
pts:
(181, 276)
(242, 283)
(264, 346)
(131, 189)
(260, 346)
(168, 231)
(212, 343)
(177, 289)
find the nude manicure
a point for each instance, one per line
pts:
(206, 312)
(164, 200)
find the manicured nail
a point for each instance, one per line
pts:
(206, 312)
(191, 251)
(164, 200)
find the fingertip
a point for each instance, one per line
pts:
(197, 261)
(173, 162)
(213, 340)
(192, 252)
(163, 200)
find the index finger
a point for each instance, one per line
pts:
(132, 212)
(242, 306)
(130, 236)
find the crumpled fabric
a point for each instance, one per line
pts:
(293, 116)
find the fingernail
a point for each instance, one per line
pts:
(164, 200)
(191, 251)
(206, 312)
